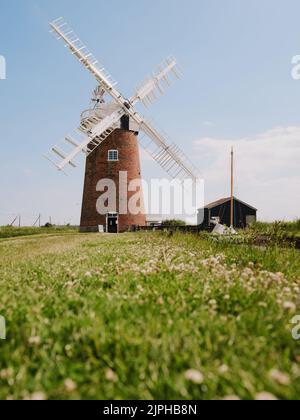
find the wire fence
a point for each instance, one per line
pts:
(23, 219)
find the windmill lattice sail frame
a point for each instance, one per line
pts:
(94, 130)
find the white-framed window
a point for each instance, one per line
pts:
(113, 155)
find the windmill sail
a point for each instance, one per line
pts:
(82, 53)
(154, 86)
(167, 154)
(86, 143)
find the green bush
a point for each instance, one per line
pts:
(174, 223)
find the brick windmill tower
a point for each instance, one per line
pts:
(116, 159)
(108, 136)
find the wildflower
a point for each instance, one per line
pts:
(280, 377)
(38, 396)
(247, 273)
(70, 385)
(223, 369)
(265, 396)
(111, 376)
(194, 376)
(278, 277)
(289, 306)
(231, 398)
(69, 284)
(160, 301)
(34, 341)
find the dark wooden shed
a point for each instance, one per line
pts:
(244, 214)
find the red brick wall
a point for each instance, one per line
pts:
(98, 167)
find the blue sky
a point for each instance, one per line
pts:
(237, 89)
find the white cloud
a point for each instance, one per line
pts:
(267, 171)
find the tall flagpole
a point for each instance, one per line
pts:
(232, 190)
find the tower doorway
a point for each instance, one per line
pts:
(112, 221)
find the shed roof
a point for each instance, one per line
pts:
(226, 200)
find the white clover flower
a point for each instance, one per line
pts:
(194, 376)
(111, 376)
(289, 306)
(231, 398)
(88, 274)
(70, 385)
(38, 396)
(223, 369)
(265, 396)
(34, 341)
(280, 377)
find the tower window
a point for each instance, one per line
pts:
(113, 155)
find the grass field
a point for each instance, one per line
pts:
(279, 230)
(12, 232)
(147, 316)
(288, 227)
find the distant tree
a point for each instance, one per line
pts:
(48, 225)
